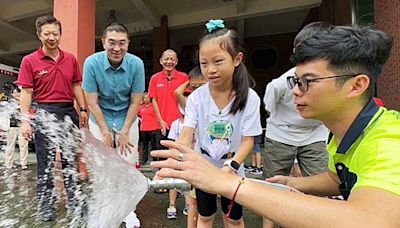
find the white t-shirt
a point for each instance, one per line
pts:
(212, 124)
(285, 124)
(176, 129)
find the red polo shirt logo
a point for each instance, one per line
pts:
(42, 73)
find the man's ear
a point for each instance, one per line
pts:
(238, 59)
(359, 84)
(103, 41)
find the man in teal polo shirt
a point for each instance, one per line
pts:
(113, 81)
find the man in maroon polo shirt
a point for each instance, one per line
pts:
(51, 77)
(161, 90)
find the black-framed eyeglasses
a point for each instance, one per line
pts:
(303, 83)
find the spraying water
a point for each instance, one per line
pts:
(17, 207)
(114, 190)
(116, 185)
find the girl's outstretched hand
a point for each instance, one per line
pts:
(185, 163)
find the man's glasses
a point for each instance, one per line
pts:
(303, 83)
(113, 43)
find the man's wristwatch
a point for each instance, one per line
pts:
(232, 164)
(83, 109)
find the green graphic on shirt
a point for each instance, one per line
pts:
(219, 129)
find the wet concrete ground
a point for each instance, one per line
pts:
(151, 210)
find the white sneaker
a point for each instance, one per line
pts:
(132, 221)
(171, 212)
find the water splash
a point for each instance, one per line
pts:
(19, 204)
(117, 186)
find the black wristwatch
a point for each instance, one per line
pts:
(232, 164)
(83, 109)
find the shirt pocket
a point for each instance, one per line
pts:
(124, 84)
(105, 89)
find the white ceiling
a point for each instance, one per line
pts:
(185, 19)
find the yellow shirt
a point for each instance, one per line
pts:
(369, 154)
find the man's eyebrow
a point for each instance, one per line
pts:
(312, 75)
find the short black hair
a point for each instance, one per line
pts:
(44, 20)
(115, 26)
(349, 50)
(195, 72)
(309, 30)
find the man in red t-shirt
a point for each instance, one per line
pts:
(51, 77)
(161, 90)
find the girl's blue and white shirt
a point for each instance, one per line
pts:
(218, 129)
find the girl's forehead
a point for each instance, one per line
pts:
(211, 49)
(216, 41)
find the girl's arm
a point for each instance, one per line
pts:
(186, 136)
(245, 147)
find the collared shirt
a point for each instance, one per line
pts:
(369, 154)
(163, 90)
(285, 125)
(51, 81)
(113, 86)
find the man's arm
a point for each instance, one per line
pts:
(163, 124)
(123, 141)
(25, 103)
(98, 115)
(273, 93)
(324, 184)
(132, 112)
(81, 102)
(367, 207)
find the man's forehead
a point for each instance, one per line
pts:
(50, 27)
(169, 54)
(315, 67)
(118, 36)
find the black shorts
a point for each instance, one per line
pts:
(207, 205)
